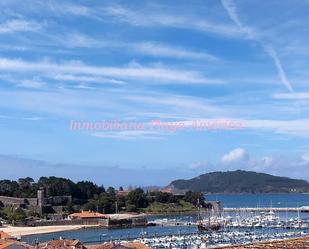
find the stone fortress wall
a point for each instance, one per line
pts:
(39, 203)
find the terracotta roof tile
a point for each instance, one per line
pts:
(88, 214)
(4, 235)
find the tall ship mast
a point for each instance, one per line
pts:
(210, 217)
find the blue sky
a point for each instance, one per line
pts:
(88, 61)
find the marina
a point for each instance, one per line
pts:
(181, 231)
(238, 225)
(244, 219)
(194, 241)
(190, 238)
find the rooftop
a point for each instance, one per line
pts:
(4, 235)
(88, 214)
(13, 244)
(62, 244)
(130, 245)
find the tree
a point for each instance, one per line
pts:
(163, 197)
(106, 204)
(138, 198)
(9, 188)
(12, 214)
(86, 190)
(91, 205)
(55, 186)
(131, 208)
(111, 191)
(25, 183)
(194, 198)
(19, 215)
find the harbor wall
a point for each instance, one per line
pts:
(83, 222)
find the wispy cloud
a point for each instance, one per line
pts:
(75, 40)
(281, 73)
(148, 48)
(71, 103)
(137, 72)
(162, 50)
(83, 78)
(150, 19)
(142, 17)
(21, 118)
(231, 9)
(297, 127)
(15, 25)
(299, 95)
(32, 83)
(184, 104)
(129, 134)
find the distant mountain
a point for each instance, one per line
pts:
(240, 181)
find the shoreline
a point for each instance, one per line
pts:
(27, 231)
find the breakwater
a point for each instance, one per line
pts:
(268, 209)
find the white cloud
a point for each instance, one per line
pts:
(267, 161)
(83, 86)
(281, 73)
(297, 127)
(299, 95)
(198, 166)
(305, 158)
(88, 79)
(281, 165)
(33, 83)
(77, 40)
(21, 118)
(157, 74)
(129, 134)
(74, 9)
(239, 158)
(184, 105)
(276, 165)
(231, 9)
(234, 156)
(162, 50)
(141, 18)
(148, 48)
(68, 102)
(12, 26)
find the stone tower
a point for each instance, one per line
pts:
(40, 200)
